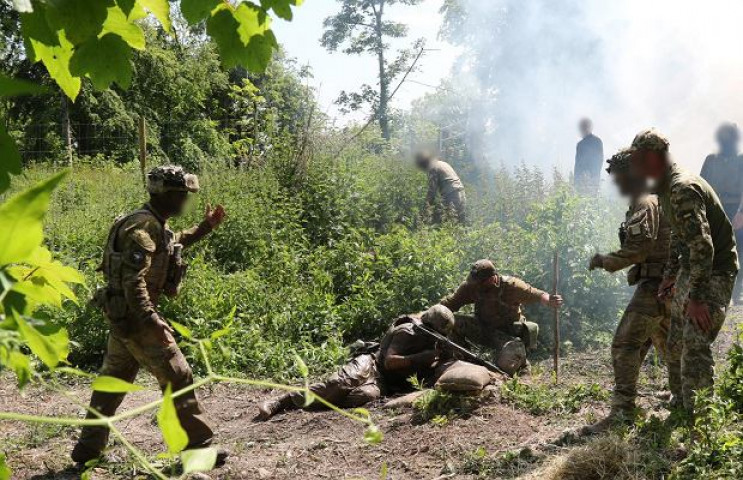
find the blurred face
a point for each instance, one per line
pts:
(629, 185)
(649, 165)
(585, 127)
(728, 139)
(490, 280)
(422, 161)
(170, 204)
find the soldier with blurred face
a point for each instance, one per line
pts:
(403, 352)
(589, 156)
(644, 246)
(443, 181)
(498, 322)
(702, 265)
(724, 172)
(141, 262)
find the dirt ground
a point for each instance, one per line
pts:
(324, 445)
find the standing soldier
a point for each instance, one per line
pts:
(702, 266)
(724, 172)
(444, 181)
(589, 156)
(402, 353)
(141, 261)
(498, 322)
(645, 241)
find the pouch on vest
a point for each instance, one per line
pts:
(528, 332)
(176, 271)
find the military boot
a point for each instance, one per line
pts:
(273, 407)
(617, 417)
(82, 454)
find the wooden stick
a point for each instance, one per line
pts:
(556, 354)
(143, 149)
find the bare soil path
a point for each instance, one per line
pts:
(323, 445)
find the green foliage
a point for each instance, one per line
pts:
(542, 399)
(198, 460)
(439, 407)
(5, 471)
(505, 465)
(105, 383)
(167, 419)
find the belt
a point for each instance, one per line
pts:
(651, 270)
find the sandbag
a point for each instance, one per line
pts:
(463, 377)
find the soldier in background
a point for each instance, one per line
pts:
(443, 181)
(381, 369)
(702, 265)
(645, 242)
(498, 322)
(724, 172)
(141, 261)
(589, 156)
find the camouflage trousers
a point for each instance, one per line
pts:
(691, 364)
(124, 357)
(355, 384)
(507, 347)
(453, 206)
(646, 321)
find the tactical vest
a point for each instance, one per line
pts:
(655, 262)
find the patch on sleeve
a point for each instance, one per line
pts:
(143, 239)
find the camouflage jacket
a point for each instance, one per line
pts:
(496, 306)
(404, 340)
(442, 179)
(646, 236)
(702, 242)
(137, 259)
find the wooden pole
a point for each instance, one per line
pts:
(555, 280)
(67, 129)
(143, 149)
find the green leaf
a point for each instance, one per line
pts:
(229, 319)
(10, 87)
(301, 366)
(243, 37)
(182, 329)
(195, 11)
(10, 159)
(198, 460)
(51, 347)
(81, 20)
(167, 419)
(108, 384)
(74, 371)
(104, 60)
(18, 362)
(5, 471)
(282, 8)
(160, 9)
(373, 435)
(117, 22)
(51, 48)
(21, 218)
(362, 412)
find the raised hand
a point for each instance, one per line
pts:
(214, 217)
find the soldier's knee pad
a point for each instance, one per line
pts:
(512, 357)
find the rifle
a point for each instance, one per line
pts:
(456, 348)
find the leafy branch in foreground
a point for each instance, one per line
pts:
(173, 434)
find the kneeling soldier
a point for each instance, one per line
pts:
(141, 261)
(498, 322)
(645, 243)
(402, 353)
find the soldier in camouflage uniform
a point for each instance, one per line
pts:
(645, 241)
(444, 181)
(702, 265)
(141, 261)
(724, 172)
(382, 369)
(498, 322)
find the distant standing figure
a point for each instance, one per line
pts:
(589, 157)
(724, 172)
(444, 181)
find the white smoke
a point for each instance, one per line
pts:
(630, 64)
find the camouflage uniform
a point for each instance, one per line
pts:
(498, 322)
(645, 241)
(141, 262)
(366, 377)
(724, 173)
(703, 260)
(442, 179)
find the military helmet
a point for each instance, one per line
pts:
(439, 318)
(650, 140)
(482, 270)
(619, 162)
(171, 178)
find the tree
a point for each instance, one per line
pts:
(361, 27)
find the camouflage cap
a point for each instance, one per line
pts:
(439, 318)
(171, 178)
(650, 140)
(482, 270)
(619, 162)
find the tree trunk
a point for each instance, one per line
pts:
(384, 124)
